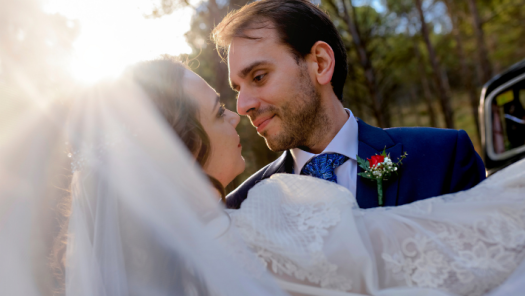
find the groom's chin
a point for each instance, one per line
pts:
(277, 143)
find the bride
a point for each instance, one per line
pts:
(150, 155)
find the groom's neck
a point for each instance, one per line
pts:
(332, 117)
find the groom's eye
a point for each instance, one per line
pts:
(258, 78)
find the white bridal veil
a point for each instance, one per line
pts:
(143, 219)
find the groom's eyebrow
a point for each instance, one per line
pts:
(244, 72)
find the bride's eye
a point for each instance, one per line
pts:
(222, 109)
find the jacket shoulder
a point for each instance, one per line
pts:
(433, 139)
(237, 196)
(448, 148)
(424, 134)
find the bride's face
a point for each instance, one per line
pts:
(225, 161)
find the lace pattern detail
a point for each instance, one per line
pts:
(466, 260)
(299, 224)
(465, 243)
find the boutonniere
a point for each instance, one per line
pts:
(379, 168)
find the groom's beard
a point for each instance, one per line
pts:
(302, 119)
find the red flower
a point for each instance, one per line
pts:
(375, 159)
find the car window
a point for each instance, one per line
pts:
(508, 117)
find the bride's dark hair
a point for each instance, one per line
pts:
(162, 80)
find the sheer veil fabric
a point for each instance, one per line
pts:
(143, 218)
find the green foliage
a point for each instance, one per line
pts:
(363, 163)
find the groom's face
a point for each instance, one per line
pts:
(275, 89)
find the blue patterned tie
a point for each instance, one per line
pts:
(323, 166)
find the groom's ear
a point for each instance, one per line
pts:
(323, 60)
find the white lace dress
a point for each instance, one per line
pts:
(315, 239)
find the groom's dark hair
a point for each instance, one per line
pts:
(299, 24)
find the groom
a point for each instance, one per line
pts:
(288, 64)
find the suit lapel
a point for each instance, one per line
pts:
(372, 141)
(283, 164)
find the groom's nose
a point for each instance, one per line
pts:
(247, 103)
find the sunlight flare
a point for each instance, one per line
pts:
(114, 34)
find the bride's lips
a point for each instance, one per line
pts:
(262, 122)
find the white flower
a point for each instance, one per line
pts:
(387, 160)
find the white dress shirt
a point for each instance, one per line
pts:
(345, 143)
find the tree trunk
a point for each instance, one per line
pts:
(414, 104)
(483, 58)
(370, 77)
(357, 102)
(444, 96)
(466, 74)
(426, 87)
(219, 67)
(400, 114)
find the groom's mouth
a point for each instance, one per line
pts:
(263, 122)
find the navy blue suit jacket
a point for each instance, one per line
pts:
(439, 161)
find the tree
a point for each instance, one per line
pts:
(362, 28)
(425, 84)
(466, 74)
(483, 59)
(444, 95)
(371, 81)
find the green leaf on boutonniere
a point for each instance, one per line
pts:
(366, 175)
(363, 163)
(384, 152)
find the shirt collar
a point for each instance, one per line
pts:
(345, 143)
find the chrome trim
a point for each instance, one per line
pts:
(515, 119)
(488, 127)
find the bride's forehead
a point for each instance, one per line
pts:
(199, 90)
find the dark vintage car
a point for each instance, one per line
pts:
(502, 118)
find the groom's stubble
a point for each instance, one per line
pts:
(303, 119)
